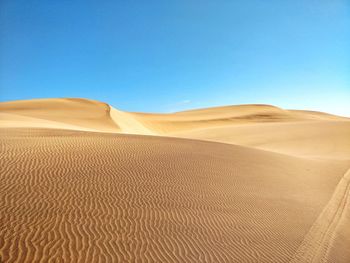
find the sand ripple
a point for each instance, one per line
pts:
(69, 196)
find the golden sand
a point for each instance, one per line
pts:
(83, 182)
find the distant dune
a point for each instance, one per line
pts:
(266, 127)
(84, 182)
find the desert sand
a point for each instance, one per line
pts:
(82, 181)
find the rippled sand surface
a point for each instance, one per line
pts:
(261, 185)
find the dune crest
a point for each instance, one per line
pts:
(128, 123)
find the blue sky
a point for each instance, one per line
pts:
(160, 56)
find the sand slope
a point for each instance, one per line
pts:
(87, 197)
(95, 115)
(326, 139)
(230, 115)
(302, 133)
(251, 183)
(79, 114)
(328, 239)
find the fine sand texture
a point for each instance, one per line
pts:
(84, 182)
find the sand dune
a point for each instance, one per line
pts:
(79, 196)
(326, 139)
(83, 182)
(80, 114)
(230, 115)
(94, 115)
(296, 132)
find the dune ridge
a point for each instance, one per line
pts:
(310, 134)
(90, 114)
(84, 182)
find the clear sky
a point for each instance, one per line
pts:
(160, 56)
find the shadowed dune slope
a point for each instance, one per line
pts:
(71, 196)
